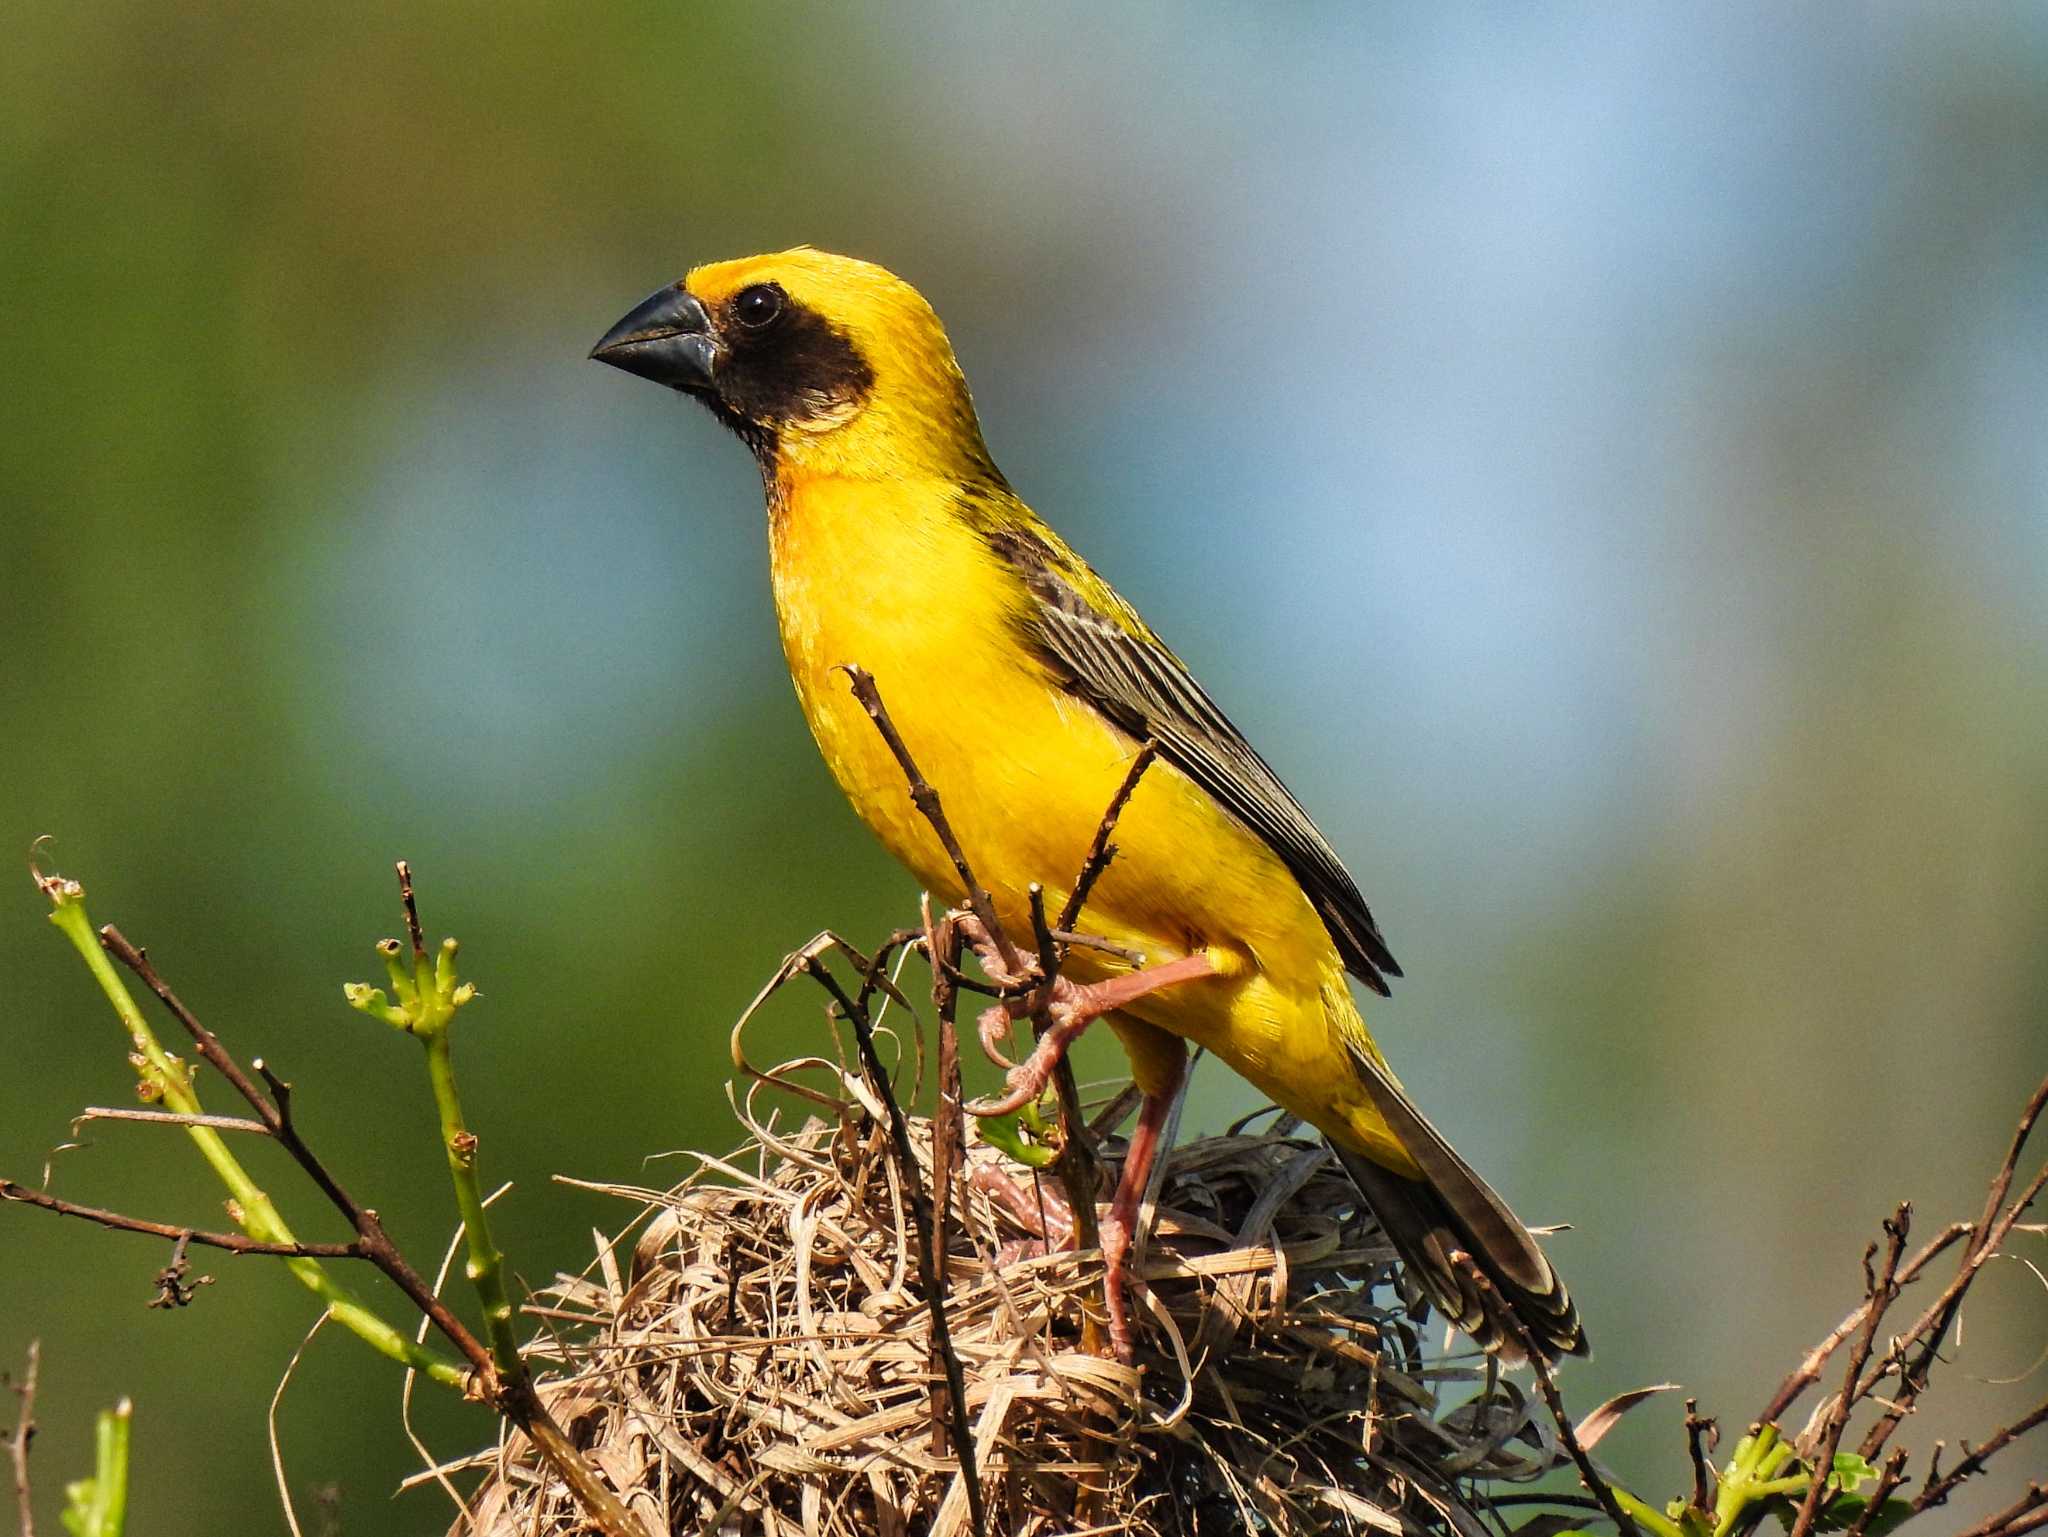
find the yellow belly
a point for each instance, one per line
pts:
(886, 578)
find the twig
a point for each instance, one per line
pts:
(949, 1135)
(1100, 850)
(1468, 1269)
(1807, 1372)
(234, 1243)
(1882, 1288)
(1987, 1238)
(1889, 1477)
(2022, 1515)
(1938, 1488)
(1075, 1164)
(512, 1395)
(1075, 941)
(412, 914)
(169, 1118)
(1701, 1437)
(24, 1432)
(927, 1228)
(927, 802)
(875, 977)
(376, 1244)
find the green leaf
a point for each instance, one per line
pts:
(1853, 1472)
(1009, 1134)
(1846, 1510)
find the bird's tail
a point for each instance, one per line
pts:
(1450, 1209)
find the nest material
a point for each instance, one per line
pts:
(766, 1365)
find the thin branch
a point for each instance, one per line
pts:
(1100, 850)
(1986, 1240)
(1469, 1271)
(1882, 1288)
(376, 1244)
(2022, 1515)
(168, 1118)
(1889, 1477)
(137, 960)
(234, 1243)
(516, 1397)
(1075, 941)
(1808, 1371)
(1701, 1437)
(1938, 1489)
(1075, 1164)
(949, 1136)
(24, 1432)
(926, 800)
(2001, 1182)
(412, 914)
(930, 1274)
(875, 977)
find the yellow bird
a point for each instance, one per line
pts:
(1023, 686)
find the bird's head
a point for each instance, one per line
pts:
(825, 365)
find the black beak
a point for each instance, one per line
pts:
(667, 339)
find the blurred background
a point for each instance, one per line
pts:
(1599, 456)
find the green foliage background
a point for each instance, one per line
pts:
(1598, 457)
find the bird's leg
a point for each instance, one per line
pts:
(1120, 1228)
(1037, 1210)
(1073, 1008)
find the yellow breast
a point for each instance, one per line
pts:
(887, 576)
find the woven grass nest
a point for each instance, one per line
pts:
(753, 1355)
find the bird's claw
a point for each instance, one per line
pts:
(993, 1028)
(1025, 1081)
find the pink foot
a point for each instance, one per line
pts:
(1041, 1211)
(1074, 1007)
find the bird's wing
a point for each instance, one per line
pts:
(1103, 653)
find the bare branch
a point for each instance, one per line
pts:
(512, 1396)
(1804, 1375)
(927, 802)
(1101, 851)
(930, 1270)
(949, 1152)
(2024, 1514)
(1889, 1477)
(1881, 1288)
(412, 913)
(1469, 1271)
(24, 1432)
(374, 1243)
(169, 1118)
(137, 960)
(234, 1243)
(1701, 1437)
(1987, 1238)
(1937, 1489)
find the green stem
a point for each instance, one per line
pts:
(1797, 1485)
(486, 1265)
(250, 1207)
(1652, 1518)
(99, 1505)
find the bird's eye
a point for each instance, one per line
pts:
(758, 307)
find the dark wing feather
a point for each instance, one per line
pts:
(1102, 652)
